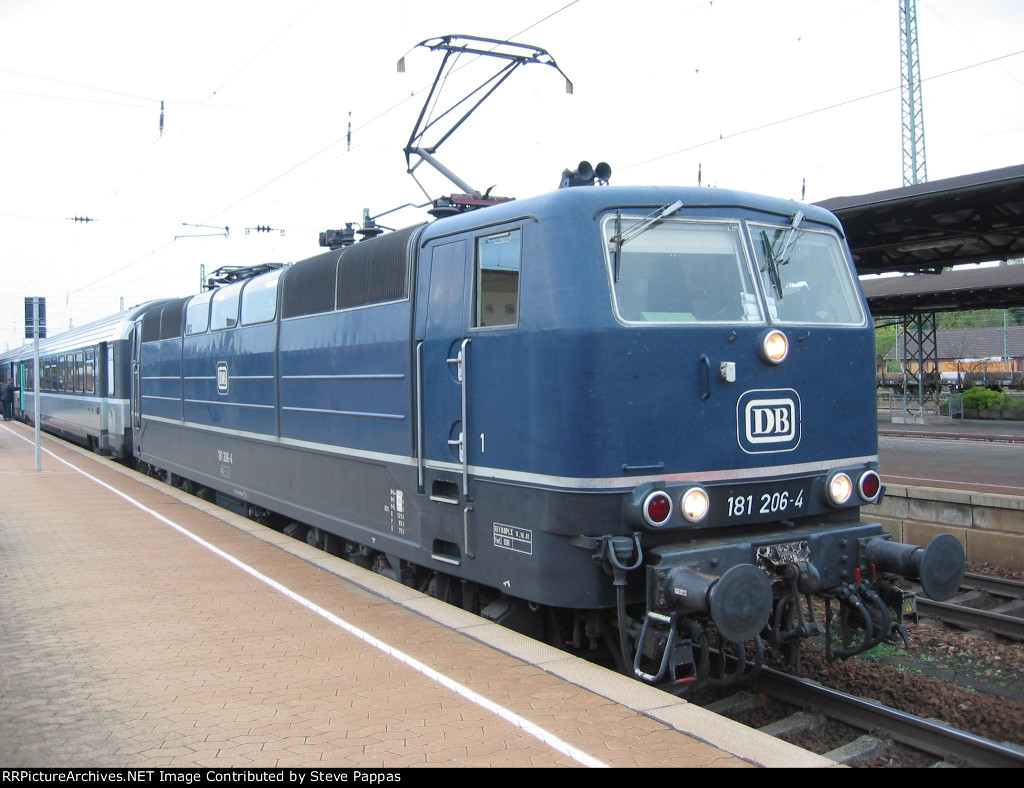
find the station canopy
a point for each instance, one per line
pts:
(953, 291)
(930, 227)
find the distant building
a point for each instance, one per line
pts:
(973, 356)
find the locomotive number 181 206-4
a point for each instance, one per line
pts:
(760, 501)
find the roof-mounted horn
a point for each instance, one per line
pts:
(586, 175)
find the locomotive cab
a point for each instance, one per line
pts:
(672, 388)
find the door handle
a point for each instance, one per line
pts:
(705, 394)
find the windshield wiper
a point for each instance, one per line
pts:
(774, 261)
(636, 229)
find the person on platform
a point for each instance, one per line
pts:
(7, 398)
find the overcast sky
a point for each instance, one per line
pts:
(774, 97)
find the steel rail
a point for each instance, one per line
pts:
(997, 586)
(925, 735)
(972, 618)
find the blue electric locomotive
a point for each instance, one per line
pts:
(641, 415)
(633, 418)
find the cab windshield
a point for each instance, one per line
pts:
(672, 270)
(679, 271)
(804, 276)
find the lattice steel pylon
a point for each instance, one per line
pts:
(914, 168)
(921, 378)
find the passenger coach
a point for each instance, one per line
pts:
(84, 383)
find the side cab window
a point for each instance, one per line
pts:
(496, 279)
(197, 313)
(259, 299)
(224, 306)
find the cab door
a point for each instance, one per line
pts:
(443, 361)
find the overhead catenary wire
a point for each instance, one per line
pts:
(263, 49)
(364, 121)
(799, 116)
(660, 157)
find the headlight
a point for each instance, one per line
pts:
(840, 489)
(774, 346)
(694, 504)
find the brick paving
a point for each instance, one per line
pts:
(124, 643)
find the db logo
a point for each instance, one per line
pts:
(222, 377)
(768, 421)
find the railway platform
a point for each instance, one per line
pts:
(991, 431)
(143, 628)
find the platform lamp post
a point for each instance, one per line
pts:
(35, 329)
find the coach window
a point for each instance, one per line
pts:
(224, 307)
(498, 259)
(90, 372)
(259, 299)
(197, 313)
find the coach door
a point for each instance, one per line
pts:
(444, 360)
(136, 388)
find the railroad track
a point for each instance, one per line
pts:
(996, 586)
(880, 725)
(973, 608)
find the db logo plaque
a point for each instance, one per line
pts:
(222, 377)
(768, 421)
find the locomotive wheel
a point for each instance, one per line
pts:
(315, 538)
(445, 588)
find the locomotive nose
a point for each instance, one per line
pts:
(739, 602)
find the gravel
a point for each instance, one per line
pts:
(960, 679)
(970, 680)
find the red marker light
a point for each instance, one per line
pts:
(657, 508)
(870, 485)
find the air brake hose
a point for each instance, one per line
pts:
(620, 608)
(611, 547)
(893, 628)
(854, 600)
(885, 621)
